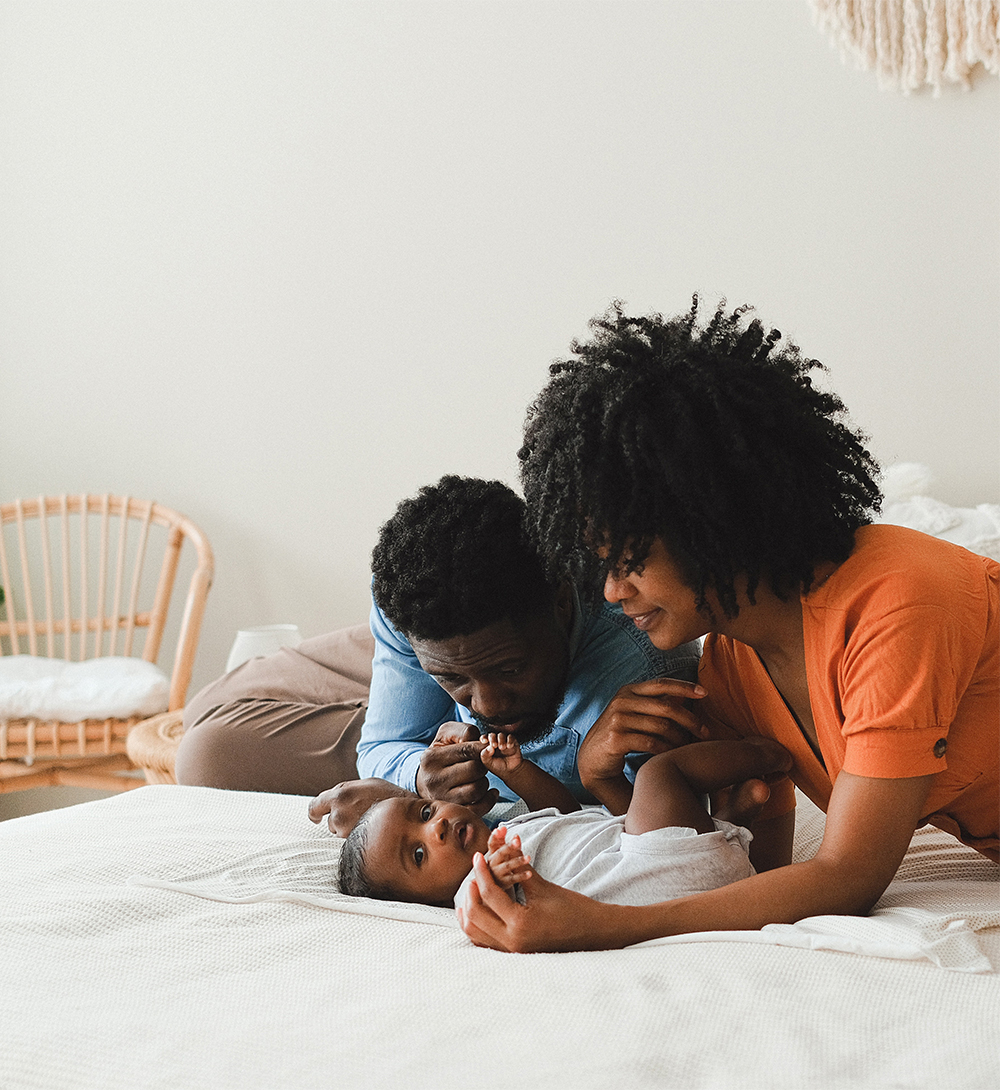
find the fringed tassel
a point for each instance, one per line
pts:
(914, 43)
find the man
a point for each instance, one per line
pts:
(469, 634)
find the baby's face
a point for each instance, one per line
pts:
(421, 849)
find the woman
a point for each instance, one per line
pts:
(699, 476)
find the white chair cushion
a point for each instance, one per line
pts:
(107, 688)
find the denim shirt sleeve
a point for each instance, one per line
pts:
(405, 709)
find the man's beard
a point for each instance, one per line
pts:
(534, 726)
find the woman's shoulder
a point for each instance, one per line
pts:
(898, 566)
(901, 589)
(877, 541)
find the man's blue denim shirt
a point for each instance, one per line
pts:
(406, 706)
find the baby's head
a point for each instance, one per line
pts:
(411, 849)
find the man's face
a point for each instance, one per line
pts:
(511, 677)
(421, 850)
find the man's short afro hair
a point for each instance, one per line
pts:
(711, 437)
(457, 558)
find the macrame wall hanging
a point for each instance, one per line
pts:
(914, 43)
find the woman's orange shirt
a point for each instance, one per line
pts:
(902, 647)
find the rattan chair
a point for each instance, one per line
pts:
(88, 577)
(152, 746)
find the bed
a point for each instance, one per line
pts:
(187, 937)
(184, 937)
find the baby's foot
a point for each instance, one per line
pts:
(741, 803)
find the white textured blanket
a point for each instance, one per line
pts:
(184, 937)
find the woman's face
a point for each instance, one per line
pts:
(658, 600)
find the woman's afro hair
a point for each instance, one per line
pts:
(712, 438)
(457, 558)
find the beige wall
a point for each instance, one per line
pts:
(277, 264)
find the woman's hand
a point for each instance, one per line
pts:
(507, 862)
(643, 717)
(552, 918)
(868, 829)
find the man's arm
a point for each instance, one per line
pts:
(405, 709)
(409, 736)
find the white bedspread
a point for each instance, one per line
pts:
(187, 938)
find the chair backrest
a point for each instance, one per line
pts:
(84, 576)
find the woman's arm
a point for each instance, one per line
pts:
(868, 829)
(644, 717)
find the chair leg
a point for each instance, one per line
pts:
(106, 781)
(15, 776)
(99, 773)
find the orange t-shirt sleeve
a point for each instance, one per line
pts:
(899, 691)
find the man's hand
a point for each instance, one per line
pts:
(451, 769)
(644, 717)
(346, 802)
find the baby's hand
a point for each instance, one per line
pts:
(501, 754)
(507, 863)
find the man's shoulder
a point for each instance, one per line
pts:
(387, 637)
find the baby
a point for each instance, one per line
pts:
(408, 848)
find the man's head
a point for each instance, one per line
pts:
(411, 849)
(711, 438)
(455, 572)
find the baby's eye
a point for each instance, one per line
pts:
(418, 855)
(425, 812)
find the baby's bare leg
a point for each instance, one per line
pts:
(669, 787)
